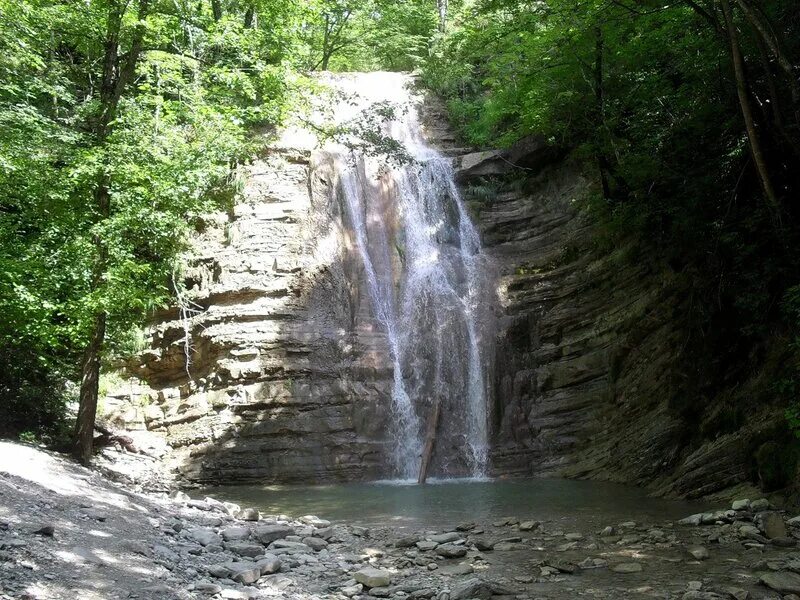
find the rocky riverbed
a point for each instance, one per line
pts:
(69, 532)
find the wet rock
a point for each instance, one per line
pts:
(528, 525)
(783, 582)
(760, 505)
(609, 531)
(451, 550)
(372, 577)
(743, 504)
(469, 526)
(629, 567)
(267, 534)
(698, 552)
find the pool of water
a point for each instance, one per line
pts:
(442, 504)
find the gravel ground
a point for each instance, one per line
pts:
(67, 532)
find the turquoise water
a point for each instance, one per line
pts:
(447, 503)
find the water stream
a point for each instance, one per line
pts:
(425, 273)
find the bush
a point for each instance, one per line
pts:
(34, 398)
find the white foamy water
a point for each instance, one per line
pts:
(425, 272)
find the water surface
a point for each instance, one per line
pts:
(443, 504)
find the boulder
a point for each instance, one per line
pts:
(235, 534)
(269, 564)
(771, 523)
(783, 582)
(267, 534)
(451, 550)
(444, 538)
(371, 577)
(245, 549)
(205, 537)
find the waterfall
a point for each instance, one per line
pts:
(426, 278)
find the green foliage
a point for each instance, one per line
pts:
(645, 94)
(202, 83)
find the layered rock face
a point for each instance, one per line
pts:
(591, 354)
(276, 370)
(284, 375)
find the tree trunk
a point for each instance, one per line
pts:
(747, 114)
(216, 9)
(249, 17)
(441, 5)
(90, 381)
(114, 81)
(765, 33)
(430, 442)
(599, 94)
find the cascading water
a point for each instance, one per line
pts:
(426, 277)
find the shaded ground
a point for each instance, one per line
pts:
(111, 542)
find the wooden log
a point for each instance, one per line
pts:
(430, 442)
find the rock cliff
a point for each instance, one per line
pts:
(275, 370)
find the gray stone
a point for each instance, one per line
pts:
(528, 525)
(629, 567)
(407, 541)
(451, 550)
(771, 523)
(245, 549)
(743, 504)
(46, 530)
(204, 537)
(267, 534)
(478, 588)
(315, 543)
(426, 545)
(236, 533)
(371, 577)
(698, 552)
(783, 582)
(760, 505)
(695, 520)
(95, 513)
(444, 538)
(484, 545)
(269, 564)
(248, 514)
(205, 587)
(244, 572)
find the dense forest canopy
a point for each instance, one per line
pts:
(122, 121)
